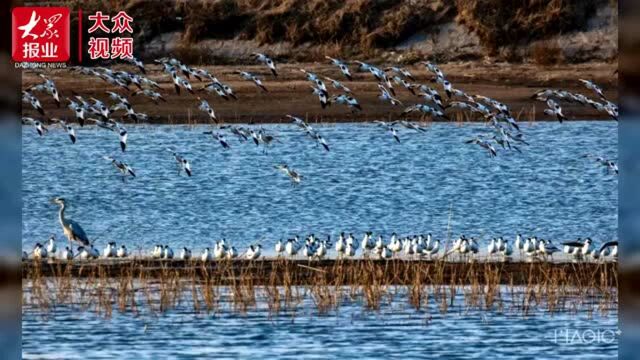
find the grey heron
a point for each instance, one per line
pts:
(72, 230)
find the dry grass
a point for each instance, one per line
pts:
(282, 285)
(500, 23)
(546, 53)
(362, 28)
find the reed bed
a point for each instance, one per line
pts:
(284, 286)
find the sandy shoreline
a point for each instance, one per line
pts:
(290, 93)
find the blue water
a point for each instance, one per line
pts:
(366, 182)
(395, 331)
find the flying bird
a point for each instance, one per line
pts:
(292, 174)
(554, 110)
(267, 61)
(124, 168)
(250, 77)
(183, 164)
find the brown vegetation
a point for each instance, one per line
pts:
(364, 28)
(501, 23)
(546, 53)
(282, 285)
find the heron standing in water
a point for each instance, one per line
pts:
(72, 230)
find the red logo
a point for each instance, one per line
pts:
(40, 34)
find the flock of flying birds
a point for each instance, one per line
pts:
(439, 99)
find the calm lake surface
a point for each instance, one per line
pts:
(366, 182)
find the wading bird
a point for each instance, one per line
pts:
(122, 252)
(253, 252)
(72, 230)
(185, 254)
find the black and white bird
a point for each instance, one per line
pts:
(609, 165)
(435, 70)
(137, 63)
(320, 140)
(610, 248)
(337, 84)
(79, 111)
(425, 110)
(37, 124)
(484, 144)
(400, 71)
(322, 96)
(253, 252)
(183, 164)
(250, 77)
(293, 175)
(68, 128)
(343, 67)
(153, 95)
(123, 136)
(49, 87)
(67, 254)
(348, 100)
(220, 138)
(124, 168)
(110, 250)
(185, 254)
(412, 126)
(410, 87)
(554, 109)
(310, 76)
(29, 98)
(177, 81)
(593, 86)
(267, 61)
(204, 106)
(389, 128)
(385, 95)
(39, 252)
(218, 88)
(122, 252)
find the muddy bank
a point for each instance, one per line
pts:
(290, 93)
